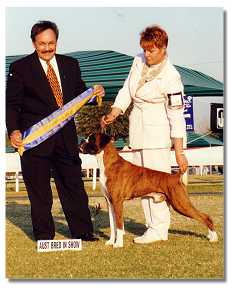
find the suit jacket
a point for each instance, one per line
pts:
(152, 123)
(29, 97)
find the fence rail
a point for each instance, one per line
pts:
(200, 158)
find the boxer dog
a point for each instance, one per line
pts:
(121, 180)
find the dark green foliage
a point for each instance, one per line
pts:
(88, 121)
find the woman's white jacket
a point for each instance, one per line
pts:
(153, 120)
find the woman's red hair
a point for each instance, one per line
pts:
(154, 36)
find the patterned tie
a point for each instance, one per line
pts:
(55, 86)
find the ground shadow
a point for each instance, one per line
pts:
(100, 219)
(187, 233)
(19, 215)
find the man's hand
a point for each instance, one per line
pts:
(182, 162)
(16, 139)
(99, 91)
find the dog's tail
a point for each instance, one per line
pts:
(179, 200)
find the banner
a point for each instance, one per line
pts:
(188, 113)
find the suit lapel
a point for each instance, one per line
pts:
(41, 81)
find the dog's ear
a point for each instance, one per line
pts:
(104, 140)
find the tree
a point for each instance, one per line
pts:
(88, 118)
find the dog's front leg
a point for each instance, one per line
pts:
(119, 239)
(112, 223)
(118, 213)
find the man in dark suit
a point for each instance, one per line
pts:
(30, 97)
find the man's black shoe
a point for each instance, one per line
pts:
(88, 237)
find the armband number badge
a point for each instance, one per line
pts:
(175, 100)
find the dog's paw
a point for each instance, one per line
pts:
(212, 236)
(109, 242)
(118, 244)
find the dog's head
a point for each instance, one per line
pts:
(94, 144)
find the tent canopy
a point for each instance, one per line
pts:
(199, 140)
(111, 68)
(193, 140)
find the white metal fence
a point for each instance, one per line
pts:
(197, 157)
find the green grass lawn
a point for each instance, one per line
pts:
(186, 255)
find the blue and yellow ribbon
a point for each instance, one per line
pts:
(50, 125)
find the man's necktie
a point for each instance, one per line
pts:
(55, 86)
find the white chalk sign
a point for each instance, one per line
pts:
(59, 245)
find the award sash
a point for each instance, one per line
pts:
(50, 125)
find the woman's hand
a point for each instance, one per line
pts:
(107, 120)
(181, 161)
(179, 154)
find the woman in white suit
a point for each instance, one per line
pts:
(155, 123)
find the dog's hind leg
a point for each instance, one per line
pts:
(112, 222)
(212, 235)
(182, 204)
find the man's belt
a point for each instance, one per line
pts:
(50, 125)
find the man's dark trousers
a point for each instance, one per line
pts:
(36, 170)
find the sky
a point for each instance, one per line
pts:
(195, 33)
